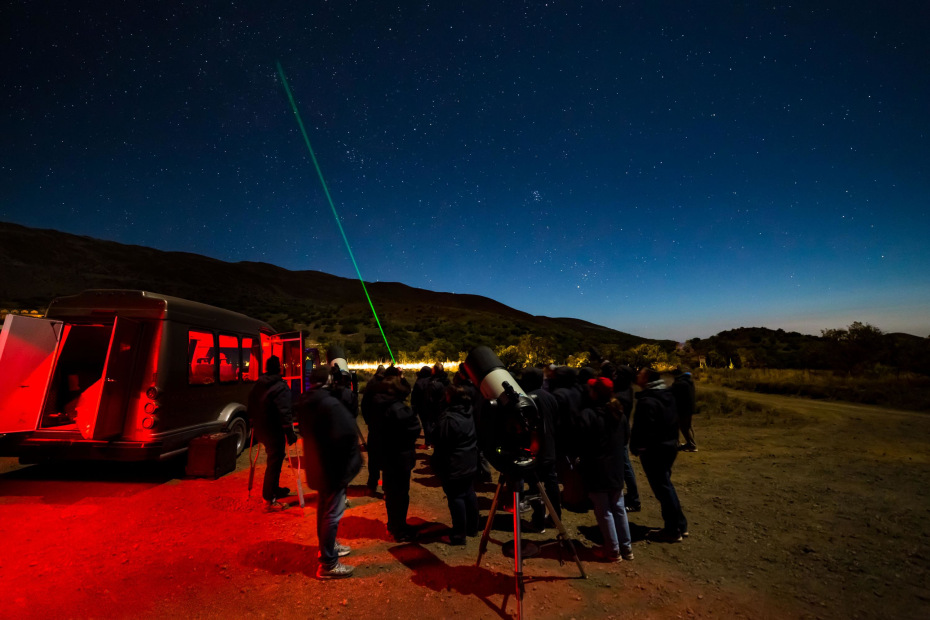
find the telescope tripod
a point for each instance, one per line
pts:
(562, 539)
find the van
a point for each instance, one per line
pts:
(131, 375)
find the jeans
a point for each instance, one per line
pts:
(463, 506)
(395, 481)
(629, 478)
(611, 518)
(329, 509)
(274, 459)
(657, 463)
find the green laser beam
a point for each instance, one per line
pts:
(303, 131)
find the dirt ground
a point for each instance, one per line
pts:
(817, 511)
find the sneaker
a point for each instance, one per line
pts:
(688, 449)
(276, 506)
(685, 534)
(337, 571)
(626, 554)
(343, 550)
(664, 536)
(633, 507)
(605, 555)
(282, 492)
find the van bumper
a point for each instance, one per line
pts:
(38, 449)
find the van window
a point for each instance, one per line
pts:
(229, 358)
(201, 356)
(251, 359)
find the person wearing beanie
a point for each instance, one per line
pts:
(272, 424)
(655, 440)
(602, 428)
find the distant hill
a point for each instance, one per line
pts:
(39, 265)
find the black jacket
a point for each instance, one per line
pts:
(393, 431)
(331, 454)
(655, 424)
(270, 407)
(683, 391)
(602, 436)
(456, 444)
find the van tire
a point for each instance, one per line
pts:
(240, 428)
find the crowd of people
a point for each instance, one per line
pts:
(589, 423)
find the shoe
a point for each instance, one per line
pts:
(406, 534)
(685, 534)
(535, 527)
(276, 506)
(342, 550)
(633, 508)
(337, 571)
(473, 533)
(282, 492)
(454, 541)
(689, 449)
(626, 554)
(604, 555)
(664, 536)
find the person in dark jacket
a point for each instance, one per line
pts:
(418, 403)
(341, 388)
(332, 459)
(531, 380)
(682, 389)
(435, 396)
(602, 429)
(272, 424)
(622, 377)
(392, 440)
(460, 378)
(655, 441)
(455, 461)
(368, 401)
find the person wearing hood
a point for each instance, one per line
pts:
(455, 461)
(418, 402)
(272, 424)
(368, 401)
(332, 459)
(683, 390)
(602, 429)
(622, 377)
(545, 471)
(655, 440)
(392, 438)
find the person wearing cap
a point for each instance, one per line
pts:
(333, 459)
(272, 423)
(682, 389)
(655, 440)
(601, 428)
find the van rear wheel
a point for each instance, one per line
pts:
(240, 428)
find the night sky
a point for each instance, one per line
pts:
(668, 169)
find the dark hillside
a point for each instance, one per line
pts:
(39, 265)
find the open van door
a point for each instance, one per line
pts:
(107, 398)
(289, 347)
(27, 356)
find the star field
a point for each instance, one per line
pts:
(663, 168)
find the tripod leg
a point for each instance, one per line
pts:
(483, 545)
(563, 534)
(518, 553)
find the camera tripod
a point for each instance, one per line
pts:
(562, 539)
